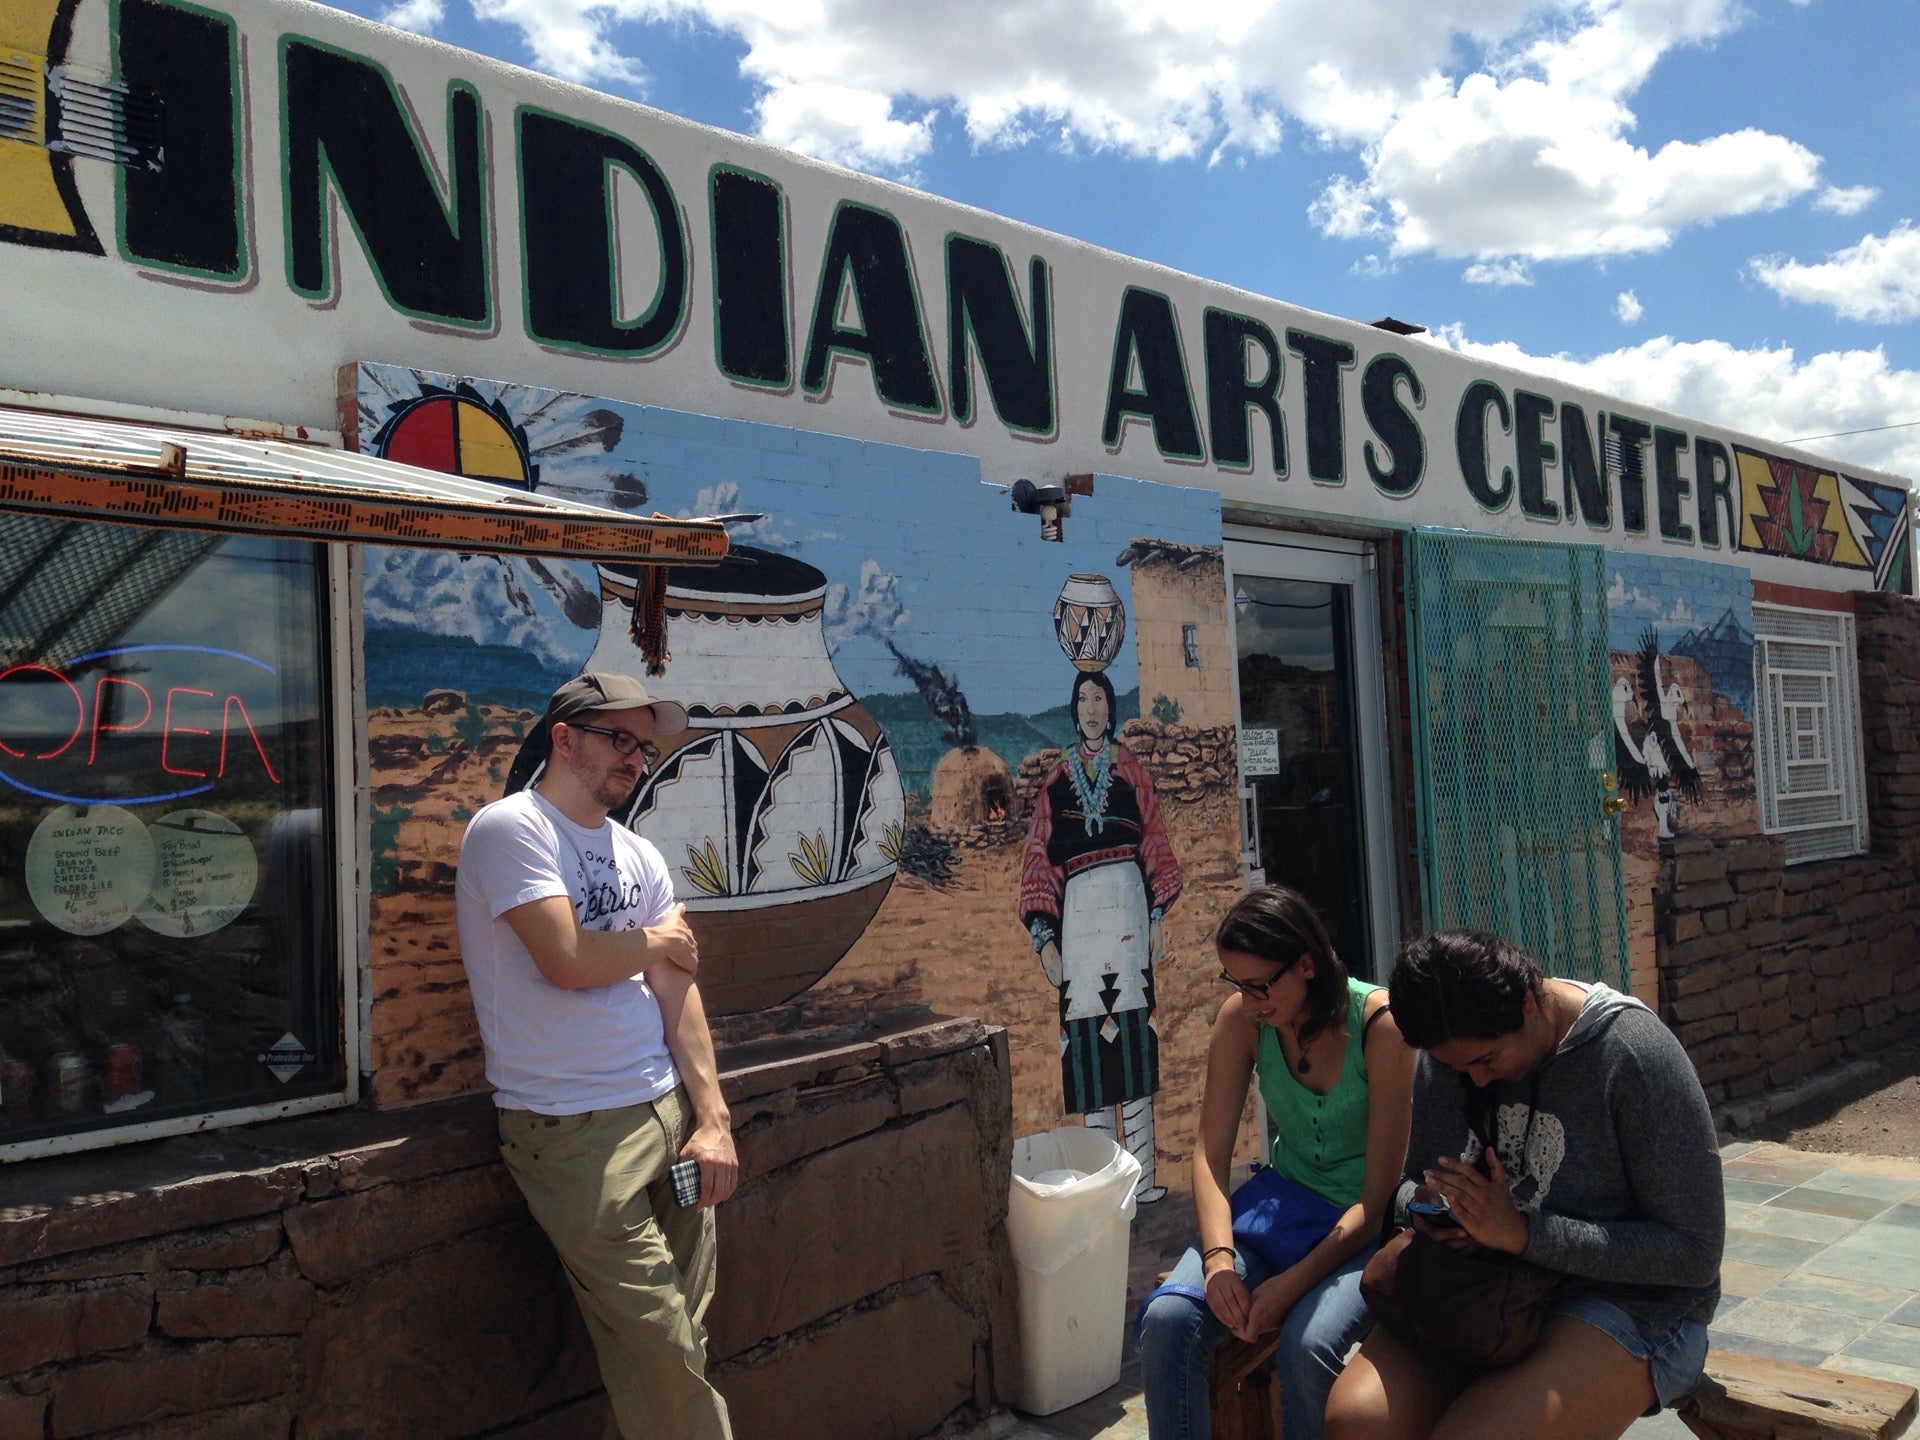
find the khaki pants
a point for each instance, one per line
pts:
(641, 1266)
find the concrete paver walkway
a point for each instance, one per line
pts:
(1822, 1268)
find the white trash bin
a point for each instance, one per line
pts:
(1069, 1220)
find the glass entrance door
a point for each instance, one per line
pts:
(1312, 737)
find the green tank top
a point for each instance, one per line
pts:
(1320, 1141)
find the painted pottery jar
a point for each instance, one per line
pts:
(1089, 621)
(780, 811)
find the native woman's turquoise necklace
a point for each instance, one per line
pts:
(1092, 777)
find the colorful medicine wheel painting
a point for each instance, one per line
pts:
(457, 433)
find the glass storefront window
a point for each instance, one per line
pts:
(167, 927)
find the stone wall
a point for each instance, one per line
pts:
(1187, 762)
(376, 1275)
(1768, 973)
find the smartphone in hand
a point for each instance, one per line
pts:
(1434, 1212)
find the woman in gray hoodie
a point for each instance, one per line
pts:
(1603, 1167)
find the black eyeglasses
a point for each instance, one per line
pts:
(1254, 989)
(625, 742)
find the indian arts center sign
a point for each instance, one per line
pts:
(287, 171)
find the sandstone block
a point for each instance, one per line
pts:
(112, 1216)
(849, 1223)
(457, 1339)
(115, 1394)
(41, 1329)
(265, 1305)
(334, 1240)
(1690, 870)
(897, 1368)
(234, 1248)
(1703, 895)
(819, 1120)
(22, 1417)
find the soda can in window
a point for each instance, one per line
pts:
(16, 1091)
(119, 1072)
(70, 1078)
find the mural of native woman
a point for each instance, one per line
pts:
(1096, 880)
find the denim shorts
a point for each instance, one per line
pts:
(1676, 1358)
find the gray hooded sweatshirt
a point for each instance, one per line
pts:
(1621, 1176)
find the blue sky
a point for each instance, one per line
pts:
(1704, 205)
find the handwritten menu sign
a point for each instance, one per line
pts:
(89, 866)
(203, 873)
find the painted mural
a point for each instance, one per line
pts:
(1096, 881)
(1682, 678)
(900, 693)
(1799, 510)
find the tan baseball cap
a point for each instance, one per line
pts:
(608, 690)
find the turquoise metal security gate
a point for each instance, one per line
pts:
(1512, 739)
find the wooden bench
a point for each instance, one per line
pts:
(1741, 1397)
(1246, 1393)
(1744, 1397)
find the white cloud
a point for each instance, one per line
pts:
(1766, 391)
(423, 17)
(484, 598)
(1849, 201)
(845, 125)
(1526, 156)
(876, 611)
(1627, 306)
(1511, 271)
(1622, 596)
(569, 38)
(724, 499)
(1877, 279)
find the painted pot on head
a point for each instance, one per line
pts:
(1089, 621)
(780, 811)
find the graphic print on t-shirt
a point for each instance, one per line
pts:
(609, 900)
(1529, 1175)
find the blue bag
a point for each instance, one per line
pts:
(1278, 1220)
(1273, 1218)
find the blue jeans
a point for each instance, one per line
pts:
(1178, 1337)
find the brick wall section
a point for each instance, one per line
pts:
(375, 1275)
(1768, 974)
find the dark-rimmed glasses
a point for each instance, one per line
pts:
(624, 742)
(1254, 989)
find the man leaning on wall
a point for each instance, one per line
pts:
(582, 969)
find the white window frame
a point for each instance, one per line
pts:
(350, 796)
(1810, 769)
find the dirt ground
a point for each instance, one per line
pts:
(1879, 1114)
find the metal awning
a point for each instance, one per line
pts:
(80, 468)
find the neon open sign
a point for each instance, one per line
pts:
(170, 719)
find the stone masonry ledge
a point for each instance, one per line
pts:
(65, 1204)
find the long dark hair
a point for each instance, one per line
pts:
(1099, 679)
(1277, 924)
(1461, 985)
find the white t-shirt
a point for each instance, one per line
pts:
(554, 1051)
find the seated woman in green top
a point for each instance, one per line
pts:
(1337, 1080)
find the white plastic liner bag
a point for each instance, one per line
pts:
(1070, 1217)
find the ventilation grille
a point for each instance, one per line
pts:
(103, 119)
(22, 98)
(79, 112)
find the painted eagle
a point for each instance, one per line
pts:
(1657, 755)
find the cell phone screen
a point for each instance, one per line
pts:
(1432, 1212)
